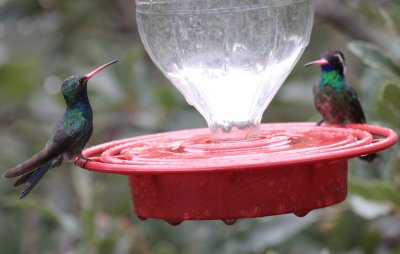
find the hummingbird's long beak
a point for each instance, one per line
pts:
(317, 62)
(91, 74)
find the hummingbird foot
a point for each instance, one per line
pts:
(320, 122)
(368, 157)
(80, 156)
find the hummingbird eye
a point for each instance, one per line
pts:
(81, 80)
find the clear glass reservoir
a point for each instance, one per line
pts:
(227, 57)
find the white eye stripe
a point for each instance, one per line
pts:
(339, 56)
(341, 60)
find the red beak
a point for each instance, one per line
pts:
(317, 62)
(91, 74)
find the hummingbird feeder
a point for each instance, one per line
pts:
(229, 58)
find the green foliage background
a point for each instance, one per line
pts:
(76, 211)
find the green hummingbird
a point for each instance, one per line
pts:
(334, 98)
(69, 136)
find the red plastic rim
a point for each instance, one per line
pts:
(291, 168)
(280, 144)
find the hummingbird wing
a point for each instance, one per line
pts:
(357, 115)
(65, 134)
(355, 110)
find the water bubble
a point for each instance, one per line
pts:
(227, 64)
(186, 216)
(229, 221)
(206, 213)
(264, 52)
(238, 48)
(202, 184)
(302, 213)
(194, 22)
(281, 209)
(329, 200)
(219, 33)
(174, 222)
(259, 67)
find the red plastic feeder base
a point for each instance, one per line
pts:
(291, 168)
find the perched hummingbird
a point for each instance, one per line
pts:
(69, 136)
(336, 100)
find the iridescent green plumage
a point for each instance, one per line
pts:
(332, 79)
(336, 100)
(69, 136)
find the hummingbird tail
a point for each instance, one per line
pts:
(21, 180)
(368, 157)
(30, 180)
(31, 164)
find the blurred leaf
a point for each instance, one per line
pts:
(89, 202)
(269, 233)
(378, 191)
(372, 56)
(164, 248)
(390, 93)
(83, 186)
(368, 209)
(18, 79)
(48, 211)
(371, 242)
(393, 165)
(10, 233)
(167, 97)
(388, 102)
(369, 87)
(389, 22)
(20, 8)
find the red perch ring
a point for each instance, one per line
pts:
(291, 168)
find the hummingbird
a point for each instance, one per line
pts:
(68, 138)
(334, 98)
